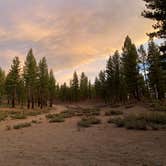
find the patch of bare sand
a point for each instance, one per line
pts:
(65, 145)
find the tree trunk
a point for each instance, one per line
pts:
(13, 101)
(32, 102)
(28, 104)
(50, 102)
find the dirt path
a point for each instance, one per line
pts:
(65, 145)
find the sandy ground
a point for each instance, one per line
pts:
(65, 144)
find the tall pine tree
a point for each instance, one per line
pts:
(130, 68)
(30, 76)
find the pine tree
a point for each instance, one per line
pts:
(52, 87)
(155, 72)
(90, 90)
(21, 92)
(156, 10)
(43, 78)
(30, 76)
(75, 87)
(100, 86)
(2, 84)
(143, 61)
(83, 86)
(110, 79)
(12, 81)
(130, 68)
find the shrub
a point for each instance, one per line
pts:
(136, 124)
(13, 112)
(50, 116)
(91, 112)
(113, 112)
(67, 114)
(18, 116)
(118, 121)
(57, 119)
(156, 117)
(144, 121)
(33, 113)
(94, 120)
(84, 123)
(34, 121)
(3, 116)
(22, 125)
(88, 122)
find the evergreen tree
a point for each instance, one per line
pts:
(30, 76)
(110, 79)
(21, 92)
(83, 86)
(52, 87)
(155, 72)
(100, 86)
(2, 84)
(130, 68)
(90, 90)
(143, 61)
(43, 78)
(12, 81)
(156, 10)
(75, 87)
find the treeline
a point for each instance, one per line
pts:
(33, 85)
(130, 75)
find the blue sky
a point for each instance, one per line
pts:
(72, 35)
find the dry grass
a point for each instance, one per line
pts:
(153, 120)
(21, 125)
(88, 122)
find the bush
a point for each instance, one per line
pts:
(88, 122)
(22, 125)
(113, 112)
(118, 121)
(18, 116)
(144, 121)
(13, 112)
(67, 113)
(57, 119)
(3, 116)
(33, 113)
(84, 123)
(50, 116)
(153, 117)
(136, 124)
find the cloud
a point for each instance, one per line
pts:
(71, 34)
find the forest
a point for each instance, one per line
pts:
(133, 74)
(116, 118)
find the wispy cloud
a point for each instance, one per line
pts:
(72, 34)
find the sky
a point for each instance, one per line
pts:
(74, 35)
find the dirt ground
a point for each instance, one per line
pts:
(65, 144)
